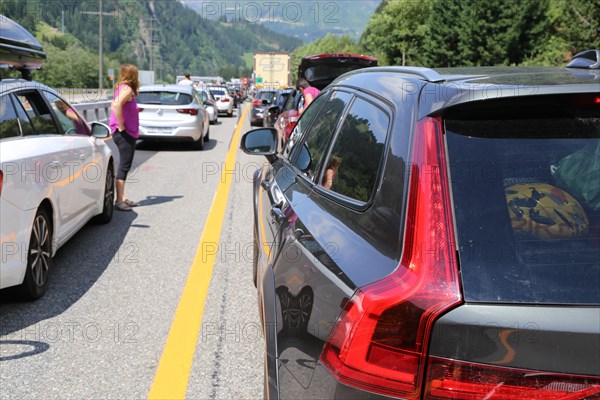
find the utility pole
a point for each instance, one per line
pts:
(152, 46)
(100, 14)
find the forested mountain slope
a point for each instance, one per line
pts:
(162, 35)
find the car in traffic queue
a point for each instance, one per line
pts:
(173, 113)
(210, 103)
(239, 94)
(224, 100)
(433, 234)
(273, 111)
(234, 96)
(319, 70)
(262, 101)
(56, 170)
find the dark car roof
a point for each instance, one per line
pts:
(451, 86)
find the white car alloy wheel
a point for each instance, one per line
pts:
(39, 258)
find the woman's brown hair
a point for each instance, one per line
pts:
(62, 106)
(129, 76)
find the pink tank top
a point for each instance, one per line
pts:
(131, 116)
(313, 91)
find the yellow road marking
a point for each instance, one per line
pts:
(172, 374)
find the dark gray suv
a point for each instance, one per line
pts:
(434, 234)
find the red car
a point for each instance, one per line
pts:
(319, 70)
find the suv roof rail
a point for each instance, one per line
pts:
(588, 59)
(426, 74)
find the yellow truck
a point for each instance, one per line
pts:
(271, 70)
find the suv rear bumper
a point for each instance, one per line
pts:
(544, 338)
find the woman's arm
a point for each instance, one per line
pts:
(328, 178)
(71, 114)
(308, 98)
(124, 96)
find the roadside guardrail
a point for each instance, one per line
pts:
(94, 104)
(75, 96)
(98, 111)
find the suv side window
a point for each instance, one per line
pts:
(301, 128)
(353, 164)
(38, 112)
(291, 102)
(320, 133)
(72, 123)
(9, 123)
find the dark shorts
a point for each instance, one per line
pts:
(126, 145)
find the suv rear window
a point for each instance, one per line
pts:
(266, 96)
(164, 98)
(526, 189)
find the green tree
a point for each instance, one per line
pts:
(574, 26)
(397, 32)
(479, 32)
(21, 12)
(445, 33)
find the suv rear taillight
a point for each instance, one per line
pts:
(380, 340)
(191, 111)
(257, 102)
(451, 379)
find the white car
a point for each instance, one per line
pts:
(172, 113)
(56, 174)
(224, 100)
(211, 105)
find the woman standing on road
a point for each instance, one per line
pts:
(309, 92)
(125, 125)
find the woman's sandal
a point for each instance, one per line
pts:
(130, 203)
(122, 206)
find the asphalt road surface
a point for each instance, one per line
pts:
(106, 321)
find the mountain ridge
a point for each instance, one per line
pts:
(290, 17)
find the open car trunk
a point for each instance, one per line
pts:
(320, 70)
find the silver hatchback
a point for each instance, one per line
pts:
(173, 113)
